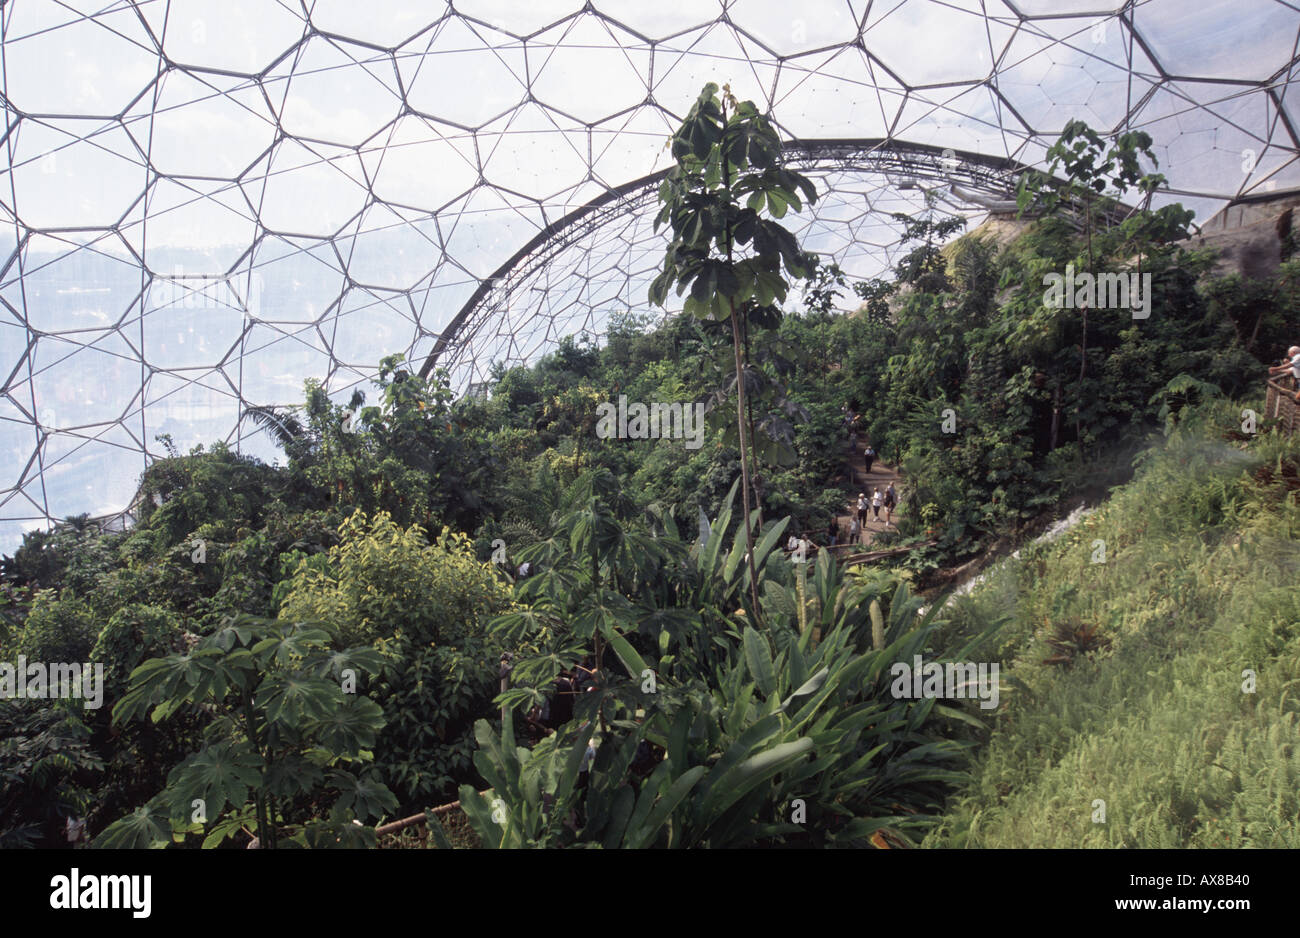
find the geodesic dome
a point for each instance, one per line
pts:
(208, 201)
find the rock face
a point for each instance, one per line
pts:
(1000, 228)
(1250, 237)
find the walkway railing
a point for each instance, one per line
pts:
(450, 816)
(1279, 404)
(840, 551)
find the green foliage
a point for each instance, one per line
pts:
(815, 721)
(726, 152)
(285, 735)
(424, 607)
(408, 456)
(60, 627)
(1159, 720)
(737, 722)
(134, 633)
(1091, 168)
(47, 768)
(75, 554)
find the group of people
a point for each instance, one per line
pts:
(886, 500)
(878, 499)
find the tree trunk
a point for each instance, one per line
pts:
(1083, 340)
(741, 424)
(1083, 371)
(740, 401)
(1056, 414)
(749, 413)
(1254, 333)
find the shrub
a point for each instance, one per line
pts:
(133, 634)
(60, 627)
(425, 607)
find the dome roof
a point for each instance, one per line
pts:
(207, 202)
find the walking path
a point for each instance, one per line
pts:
(857, 479)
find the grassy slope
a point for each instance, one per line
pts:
(1201, 582)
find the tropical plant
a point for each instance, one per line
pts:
(795, 741)
(424, 608)
(726, 252)
(47, 768)
(287, 751)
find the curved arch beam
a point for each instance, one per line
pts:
(991, 176)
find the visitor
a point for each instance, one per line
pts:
(891, 499)
(1292, 364)
(869, 455)
(862, 508)
(877, 500)
(588, 756)
(833, 532)
(853, 441)
(855, 530)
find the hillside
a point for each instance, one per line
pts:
(1182, 717)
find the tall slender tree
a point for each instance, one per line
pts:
(721, 202)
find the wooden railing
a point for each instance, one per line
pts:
(841, 551)
(413, 831)
(1280, 405)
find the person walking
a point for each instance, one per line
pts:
(869, 455)
(877, 500)
(862, 508)
(833, 532)
(891, 499)
(855, 530)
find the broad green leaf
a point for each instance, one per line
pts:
(759, 660)
(634, 663)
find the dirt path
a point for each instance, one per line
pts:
(857, 479)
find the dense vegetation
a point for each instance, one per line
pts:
(1161, 682)
(292, 648)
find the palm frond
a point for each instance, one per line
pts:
(280, 423)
